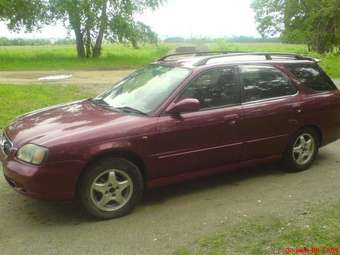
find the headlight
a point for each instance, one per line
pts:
(32, 153)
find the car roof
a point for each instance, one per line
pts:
(209, 59)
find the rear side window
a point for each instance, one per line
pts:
(263, 82)
(312, 77)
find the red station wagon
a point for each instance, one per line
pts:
(184, 116)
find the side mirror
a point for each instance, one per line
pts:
(185, 105)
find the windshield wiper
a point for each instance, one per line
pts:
(130, 110)
(102, 102)
(99, 101)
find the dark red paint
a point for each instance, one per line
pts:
(169, 147)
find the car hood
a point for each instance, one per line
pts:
(74, 121)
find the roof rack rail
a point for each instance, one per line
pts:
(197, 54)
(268, 55)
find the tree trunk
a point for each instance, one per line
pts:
(99, 41)
(134, 43)
(79, 43)
(88, 44)
(74, 19)
(97, 49)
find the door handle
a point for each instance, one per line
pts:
(231, 118)
(297, 107)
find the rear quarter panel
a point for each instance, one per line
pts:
(322, 109)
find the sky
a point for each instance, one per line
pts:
(184, 18)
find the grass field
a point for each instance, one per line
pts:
(55, 57)
(120, 57)
(315, 228)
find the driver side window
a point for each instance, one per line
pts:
(214, 88)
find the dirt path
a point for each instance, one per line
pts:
(167, 218)
(95, 81)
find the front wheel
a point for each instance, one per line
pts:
(302, 150)
(111, 188)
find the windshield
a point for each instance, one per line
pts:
(144, 90)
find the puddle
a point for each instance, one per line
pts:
(55, 78)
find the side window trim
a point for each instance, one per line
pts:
(243, 102)
(270, 99)
(237, 73)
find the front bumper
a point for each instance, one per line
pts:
(51, 181)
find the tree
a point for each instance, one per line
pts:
(269, 16)
(92, 21)
(315, 22)
(30, 14)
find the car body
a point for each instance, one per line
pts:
(250, 121)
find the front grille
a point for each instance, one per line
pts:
(5, 144)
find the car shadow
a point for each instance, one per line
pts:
(231, 178)
(71, 213)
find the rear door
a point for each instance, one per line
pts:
(271, 107)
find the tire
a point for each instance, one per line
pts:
(111, 188)
(299, 156)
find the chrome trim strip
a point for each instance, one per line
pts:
(183, 153)
(271, 99)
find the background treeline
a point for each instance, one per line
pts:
(31, 42)
(234, 39)
(194, 40)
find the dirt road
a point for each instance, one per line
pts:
(167, 218)
(95, 81)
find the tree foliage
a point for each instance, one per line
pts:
(30, 14)
(92, 21)
(315, 22)
(269, 16)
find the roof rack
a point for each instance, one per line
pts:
(268, 56)
(197, 54)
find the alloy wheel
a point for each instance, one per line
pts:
(111, 190)
(303, 149)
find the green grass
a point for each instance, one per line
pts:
(64, 57)
(269, 235)
(17, 99)
(56, 57)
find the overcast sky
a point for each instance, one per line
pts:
(186, 18)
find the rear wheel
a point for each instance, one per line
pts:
(302, 150)
(111, 188)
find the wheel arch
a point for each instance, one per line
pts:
(317, 130)
(126, 154)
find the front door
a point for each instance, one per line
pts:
(207, 138)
